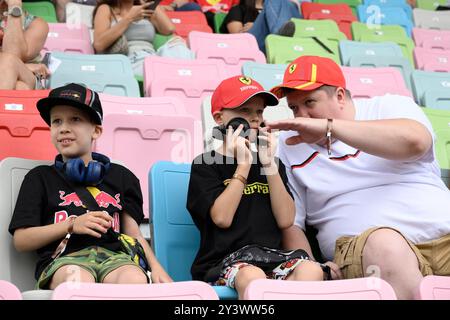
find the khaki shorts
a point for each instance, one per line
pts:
(433, 256)
(98, 261)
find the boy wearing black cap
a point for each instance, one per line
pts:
(240, 201)
(48, 209)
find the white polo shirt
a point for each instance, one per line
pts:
(353, 191)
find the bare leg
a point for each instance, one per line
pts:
(387, 253)
(306, 271)
(70, 273)
(127, 274)
(245, 276)
(14, 70)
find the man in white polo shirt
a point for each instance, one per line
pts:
(364, 174)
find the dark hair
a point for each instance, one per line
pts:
(250, 9)
(112, 4)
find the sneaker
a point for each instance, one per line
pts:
(287, 29)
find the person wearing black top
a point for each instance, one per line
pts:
(240, 18)
(48, 210)
(240, 201)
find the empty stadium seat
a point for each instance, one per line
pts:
(392, 3)
(282, 50)
(432, 59)
(344, 21)
(430, 4)
(385, 16)
(328, 9)
(187, 21)
(268, 75)
(175, 238)
(23, 133)
(351, 49)
(70, 39)
(108, 73)
(434, 288)
(431, 89)
(8, 291)
(352, 3)
(355, 289)
(16, 267)
(189, 80)
(383, 33)
(371, 82)
(323, 29)
(141, 106)
(42, 9)
(232, 49)
(432, 39)
(186, 290)
(153, 137)
(431, 19)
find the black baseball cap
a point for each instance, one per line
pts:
(74, 95)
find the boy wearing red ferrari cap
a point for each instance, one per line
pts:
(240, 201)
(364, 174)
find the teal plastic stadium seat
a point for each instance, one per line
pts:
(175, 238)
(431, 89)
(282, 50)
(349, 49)
(268, 75)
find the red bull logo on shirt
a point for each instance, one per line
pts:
(104, 199)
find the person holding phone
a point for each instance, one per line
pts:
(22, 37)
(129, 27)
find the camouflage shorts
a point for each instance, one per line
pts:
(98, 261)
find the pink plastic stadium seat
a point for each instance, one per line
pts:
(189, 80)
(23, 133)
(138, 141)
(435, 288)
(186, 290)
(233, 49)
(371, 82)
(8, 291)
(354, 289)
(432, 39)
(143, 106)
(67, 38)
(187, 21)
(432, 59)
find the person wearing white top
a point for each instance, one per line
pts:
(364, 174)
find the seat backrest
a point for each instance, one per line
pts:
(281, 50)
(349, 49)
(385, 15)
(43, 9)
(430, 5)
(175, 238)
(77, 14)
(186, 290)
(355, 289)
(434, 288)
(268, 75)
(401, 63)
(142, 106)
(187, 21)
(438, 99)
(431, 19)
(371, 82)
(189, 80)
(432, 59)
(73, 39)
(233, 49)
(309, 8)
(391, 3)
(440, 120)
(352, 3)
(426, 82)
(138, 141)
(432, 39)
(344, 21)
(16, 267)
(23, 133)
(8, 291)
(327, 29)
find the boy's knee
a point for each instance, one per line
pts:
(8, 59)
(249, 273)
(70, 273)
(131, 275)
(307, 271)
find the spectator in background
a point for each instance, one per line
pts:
(60, 7)
(222, 6)
(22, 37)
(180, 5)
(262, 18)
(129, 27)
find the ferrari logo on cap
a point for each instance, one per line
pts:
(245, 80)
(292, 68)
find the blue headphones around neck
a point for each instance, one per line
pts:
(77, 172)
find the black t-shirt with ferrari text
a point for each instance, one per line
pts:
(45, 198)
(253, 222)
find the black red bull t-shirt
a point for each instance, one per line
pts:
(45, 198)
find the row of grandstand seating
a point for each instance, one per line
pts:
(175, 241)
